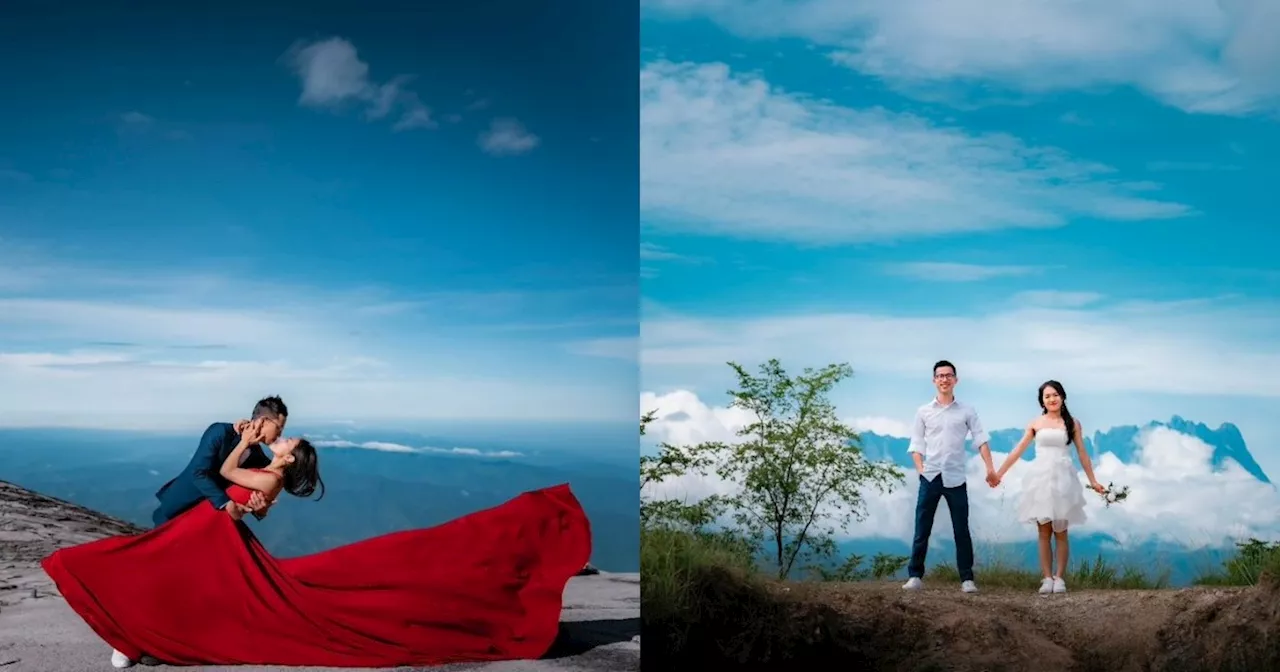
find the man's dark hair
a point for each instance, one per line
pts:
(272, 407)
(939, 365)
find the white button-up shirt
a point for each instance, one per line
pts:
(939, 432)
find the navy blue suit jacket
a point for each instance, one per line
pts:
(200, 479)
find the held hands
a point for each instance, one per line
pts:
(993, 479)
(234, 510)
(257, 503)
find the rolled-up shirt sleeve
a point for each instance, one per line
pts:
(976, 431)
(917, 434)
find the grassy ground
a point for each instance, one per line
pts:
(1096, 575)
(693, 583)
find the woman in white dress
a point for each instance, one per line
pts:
(1052, 496)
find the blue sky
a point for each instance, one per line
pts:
(378, 213)
(1078, 191)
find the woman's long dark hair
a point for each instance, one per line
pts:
(302, 476)
(1067, 420)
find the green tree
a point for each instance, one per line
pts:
(801, 470)
(673, 461)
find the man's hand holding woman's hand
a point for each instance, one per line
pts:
(993, 479)
(257, 504)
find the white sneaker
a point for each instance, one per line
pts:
(913, 583)
(969, 586)
(119, 660)
(1059, 586)
(1046, 586)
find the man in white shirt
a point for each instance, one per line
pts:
(937, 447)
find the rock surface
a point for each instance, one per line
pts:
(600, 626)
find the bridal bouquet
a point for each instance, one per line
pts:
(1113, 496)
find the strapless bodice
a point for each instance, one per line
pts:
(1051, 440)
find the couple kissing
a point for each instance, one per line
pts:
(199, 588)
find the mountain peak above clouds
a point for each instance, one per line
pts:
(1227, 442)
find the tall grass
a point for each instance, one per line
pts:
(670, 560)
(1254, 560)
(1097, 575)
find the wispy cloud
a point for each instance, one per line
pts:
(508, 137)
(956, 272)
(137, 120)
(333, 77)
(1049, 298)
(654, 252)
(1190, 166)
(388, 447)
(626, 347)
(1198, 55)
(1148, 347)
(730, 154)
(166, 350)
(653, 255)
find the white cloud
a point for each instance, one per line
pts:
(417, 116)
(654, 252)
(333, 77)
(169, 351)
(955, 272)
(508, 137)
(388, 447)
(1175, 494)
(731, 154)
(1213, 56)
(882, 426)
(1142, 347)
(683, 419)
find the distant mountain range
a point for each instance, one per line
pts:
(1227, 443)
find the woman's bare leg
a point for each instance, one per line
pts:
(1046, 553)
(1064, 550)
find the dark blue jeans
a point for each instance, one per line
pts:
(931, 492)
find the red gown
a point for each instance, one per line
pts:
(201, 589)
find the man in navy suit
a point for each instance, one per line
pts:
(201, 478)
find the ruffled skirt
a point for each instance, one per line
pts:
(1052, 493)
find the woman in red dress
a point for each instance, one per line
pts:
(201, 589)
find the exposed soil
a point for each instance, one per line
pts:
(878, 626)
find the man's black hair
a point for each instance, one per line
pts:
(939, 365)
(271, 407)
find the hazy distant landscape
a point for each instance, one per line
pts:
(378, 481)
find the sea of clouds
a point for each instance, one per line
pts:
(1176, 495)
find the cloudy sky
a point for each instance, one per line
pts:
(409, 215)
(1068, 190)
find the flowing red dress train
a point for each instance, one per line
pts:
(200, 589)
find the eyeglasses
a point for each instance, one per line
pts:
(944, 376)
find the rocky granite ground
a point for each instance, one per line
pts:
(600, 625)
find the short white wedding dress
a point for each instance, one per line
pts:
(1051, 490)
